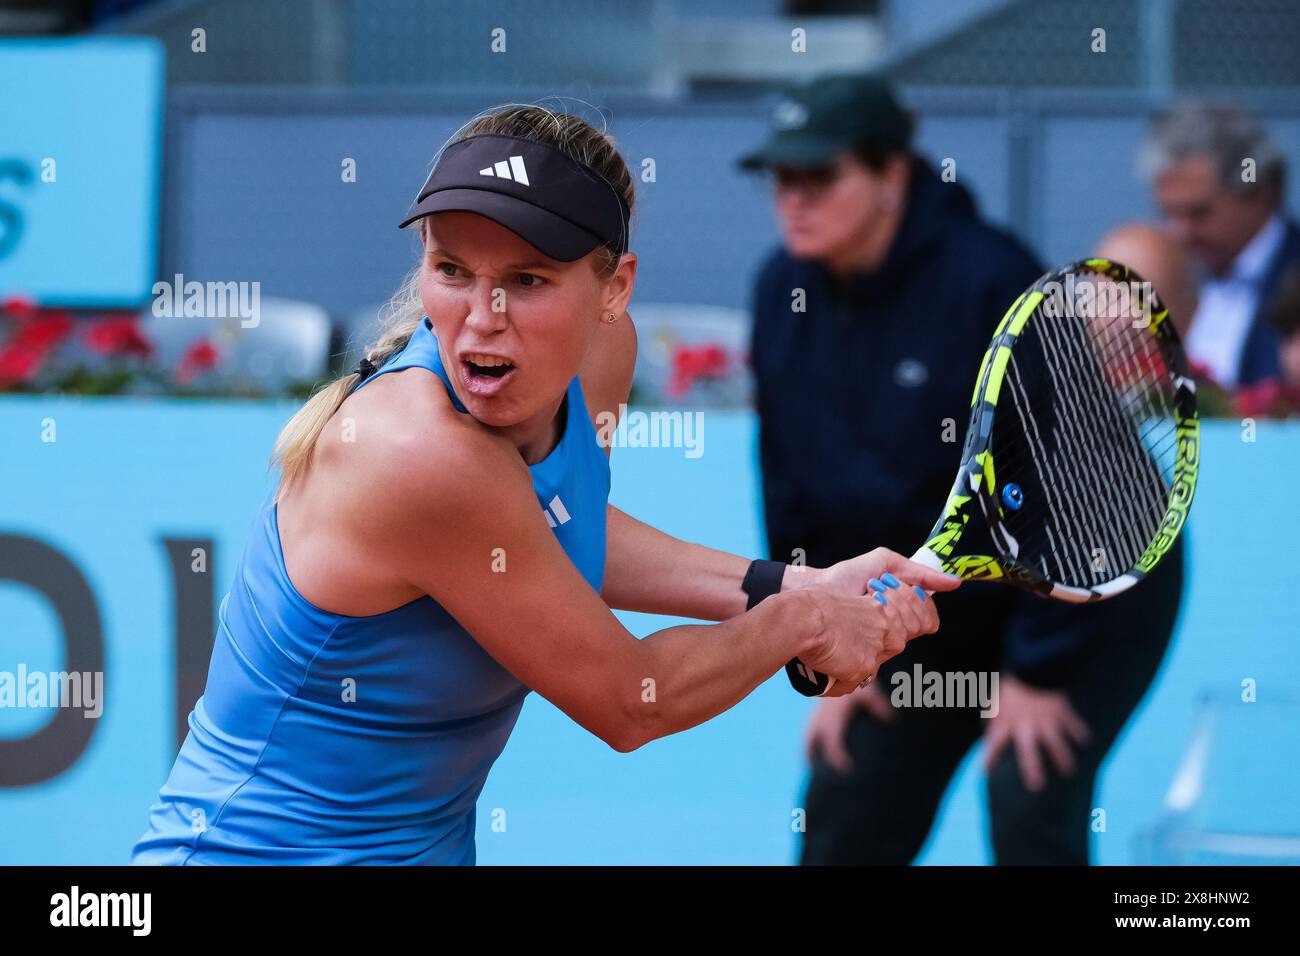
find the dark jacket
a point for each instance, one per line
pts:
(863, 401)
(863, 397)
(1260, 358)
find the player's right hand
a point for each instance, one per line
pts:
(858, 634)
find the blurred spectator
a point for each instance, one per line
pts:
(1279, 397)
(1170, 268)
(1155, 257)
(1218, 178)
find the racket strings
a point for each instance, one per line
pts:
(1115, 444)
(1144, 364)
(1055, 508)
(1143, 493)
(1119, 436)
(1054, 513)
(1158, 419)
(1064, 509)
(1104, 444)
(1094, 438)
(1085, 518)
(1154, 445)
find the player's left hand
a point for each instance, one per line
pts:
(1034, 720)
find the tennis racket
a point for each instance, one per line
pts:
(1082, 448)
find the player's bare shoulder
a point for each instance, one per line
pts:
(424, 483)
(401, 438)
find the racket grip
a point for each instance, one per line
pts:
(807, 681)
(813, 683)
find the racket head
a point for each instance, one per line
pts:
(1082, 450)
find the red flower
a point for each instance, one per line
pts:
(36, 337)
(43, 331)
(694, 362)
(200, 356)
(1268, 398)
(20, 363)
(19, 306)
(118, 334)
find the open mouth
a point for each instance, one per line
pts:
(484, 374)
(491, 371)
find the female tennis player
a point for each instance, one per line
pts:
(440, 543)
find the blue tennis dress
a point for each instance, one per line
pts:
(327, 739)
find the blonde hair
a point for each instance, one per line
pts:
(402, 314)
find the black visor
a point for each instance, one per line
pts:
(558, 205)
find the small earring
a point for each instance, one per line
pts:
(612, 318)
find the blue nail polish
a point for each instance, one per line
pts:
(920, 592)
(892, 581)
(880, 597)
(876, 585)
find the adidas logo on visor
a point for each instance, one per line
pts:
(514, 169)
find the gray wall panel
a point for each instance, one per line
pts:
(253, 189)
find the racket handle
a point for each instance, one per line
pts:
(813, 683)
(807, 681)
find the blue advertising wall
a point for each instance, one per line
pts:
(122, 477)
(80, 148)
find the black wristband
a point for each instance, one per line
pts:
(763, 579)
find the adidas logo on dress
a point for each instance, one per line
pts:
(556, 513)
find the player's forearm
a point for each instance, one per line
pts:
(647, 570)
(696, 671)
